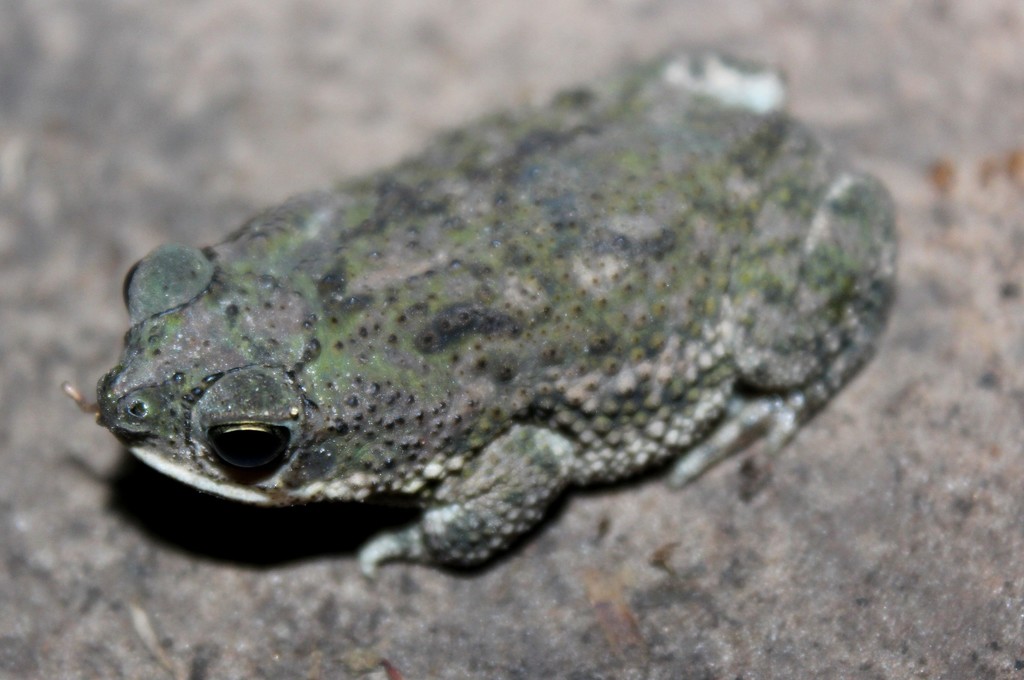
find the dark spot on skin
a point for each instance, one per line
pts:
(504, 368)
(655, 248)
(459, 320)
(759, 149)
(576, 98)
(561, 211)
(396, 202)
(311, 351)
(355, 303)
(535, 143)
(453, 223)
(331, 286)
(517, 257)
(416, 309)
(541, 141)
(601, 342)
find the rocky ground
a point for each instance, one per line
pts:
(885, 542)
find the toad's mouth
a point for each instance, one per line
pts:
(235, 491)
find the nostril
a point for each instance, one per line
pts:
(138, 409)
(248, 445)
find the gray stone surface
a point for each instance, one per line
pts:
(886, 542)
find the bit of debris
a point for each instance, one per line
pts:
(614, 616)
(754, 477)
(1015, 166)
(90, 407)
(1007, 166)
(144, 629)
(393, 673)
(660, 557)
(942, 174)
(604, 524)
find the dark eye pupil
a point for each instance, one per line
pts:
(248, 445)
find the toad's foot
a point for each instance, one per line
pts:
(500, 495)
(775, 417)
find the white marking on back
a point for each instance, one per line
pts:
(761, 91)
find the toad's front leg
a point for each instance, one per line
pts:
(499, 495)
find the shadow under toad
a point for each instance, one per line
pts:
(179, 515)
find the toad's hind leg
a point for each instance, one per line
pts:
(806, 313)
(498, 496)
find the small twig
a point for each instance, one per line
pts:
(90, 407)
(392, 672)
(144, 629)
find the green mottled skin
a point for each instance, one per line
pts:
(608, 269)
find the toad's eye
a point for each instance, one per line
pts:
(249, 418)
(248, 445)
